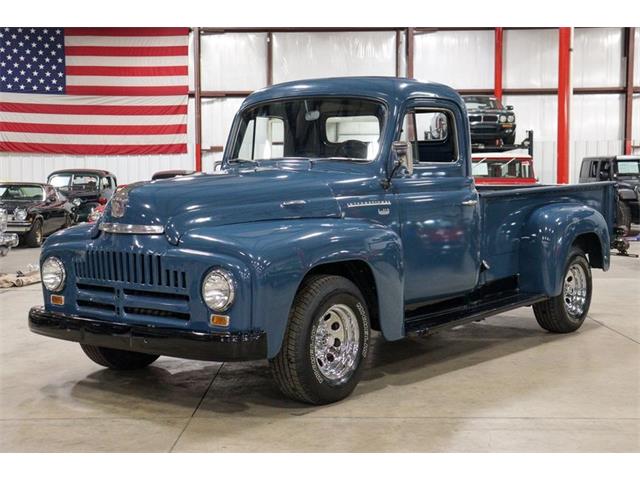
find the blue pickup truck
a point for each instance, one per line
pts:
(343, 206)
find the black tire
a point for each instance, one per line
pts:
(510, 140)
(296, 369)
(118, 359)
(623, 217)
(33, 238)
(555, 314)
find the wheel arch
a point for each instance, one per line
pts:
(549, 234)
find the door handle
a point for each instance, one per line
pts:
(469, 203)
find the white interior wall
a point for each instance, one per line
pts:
(461, 59)
(530, 58)
(315, 55)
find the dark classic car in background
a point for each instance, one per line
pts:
(85, 188)
(625, 171)
(34, 210)
(490, 122)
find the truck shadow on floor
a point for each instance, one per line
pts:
(247, 388)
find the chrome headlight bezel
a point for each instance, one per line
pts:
(20, 214)
(221, 281)
(53, 269)
(503, 118)
(77, 202)
(511, 118)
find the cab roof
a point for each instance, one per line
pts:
(391, 90)
(82, 170)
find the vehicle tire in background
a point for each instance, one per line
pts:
(510, 140)
(623, 216)
(33, 238)
(566, 312)
(68, 221)
(118, 359)
(322, 355)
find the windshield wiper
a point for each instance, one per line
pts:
(342, 159)
(240, 160)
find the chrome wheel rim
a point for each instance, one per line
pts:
(39, 235)
(336, 342)
(575, 290)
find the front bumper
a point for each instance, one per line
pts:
(18, 227)
(8, 240)
(153, 340)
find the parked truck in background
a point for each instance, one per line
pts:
(332, 217)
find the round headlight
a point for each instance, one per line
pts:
(77, 202)
(503, 118)
(20, 214)
(53, 274)
(218, 290)
(511, 118)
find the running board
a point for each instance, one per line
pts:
(429, 323)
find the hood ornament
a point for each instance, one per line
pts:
(120, 199)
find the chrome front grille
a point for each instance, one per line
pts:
(128, 267)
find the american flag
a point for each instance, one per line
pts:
(94, 91)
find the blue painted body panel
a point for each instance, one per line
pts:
(418, 240)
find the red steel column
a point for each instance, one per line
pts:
(628, 108)
(197, 98)
(564, 97)
(497, 68)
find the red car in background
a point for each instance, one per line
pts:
(514, 167)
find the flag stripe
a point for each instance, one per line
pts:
(127, 61)
(127, 51)
(128, 71)
(55, 138)
(85, 129)
(113, 81)
(126, 31)
(125, 41)
(80, 149)
(92, 100)
(94, 119)
(94, 109)
(64, 119)
(106, 91)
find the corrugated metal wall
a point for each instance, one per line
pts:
(463, 59)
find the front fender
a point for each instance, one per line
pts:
(280, 253)
(548, 235)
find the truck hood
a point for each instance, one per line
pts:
(237, 196)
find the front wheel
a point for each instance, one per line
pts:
(566, 312)
(326, 342)
(33, 238)
(118, 359)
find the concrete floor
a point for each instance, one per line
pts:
(499, 385)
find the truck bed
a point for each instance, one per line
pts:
(504, 212)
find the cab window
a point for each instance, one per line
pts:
(431, 133)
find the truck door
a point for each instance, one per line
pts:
(438, 206)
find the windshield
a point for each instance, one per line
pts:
(21, 192)
(76, 181)
(482, 103)
(514, 168)
(319, 128)
(629, 167)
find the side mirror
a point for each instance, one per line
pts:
(509, 107)
(51, 198)
(603, 175)
(403, 156)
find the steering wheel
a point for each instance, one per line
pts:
(353, 149)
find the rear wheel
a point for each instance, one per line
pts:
(118, 359)
(623, 218)
(326, 342)
(566, 312)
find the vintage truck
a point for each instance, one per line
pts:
(328, 220)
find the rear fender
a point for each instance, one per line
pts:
(548, 236)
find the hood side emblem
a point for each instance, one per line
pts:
(120, 199)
